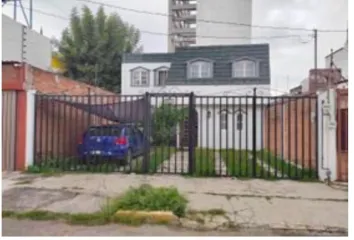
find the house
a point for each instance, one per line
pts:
(212, 73)
(319, 79)
(338, 59)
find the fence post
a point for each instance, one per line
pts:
(89, 107)
(254, 132)
(147, 133)
(191, 133)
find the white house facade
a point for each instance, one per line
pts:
(222, 78)
(340, 61)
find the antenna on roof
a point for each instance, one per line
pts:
(29, 20)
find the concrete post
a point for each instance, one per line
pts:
(30, 127)
(327, 150)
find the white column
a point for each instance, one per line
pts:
(327, 135)
(30, 120)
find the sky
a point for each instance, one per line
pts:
(290, 58)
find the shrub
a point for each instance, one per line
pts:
(148, 198)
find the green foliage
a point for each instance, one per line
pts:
(165, 119)
(143, 198)
(153, 199)
(91, 47)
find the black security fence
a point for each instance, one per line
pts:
(241, 136)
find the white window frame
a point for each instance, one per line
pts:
(200, 68)
(245, 68)
(137, 76)
(158, 71)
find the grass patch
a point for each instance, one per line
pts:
(24, 182)
(239, 163)
(289, 170)
(145, 198)
(148, 198)
(157, 156)
(49, 166)
(89, 219)
(204, 162)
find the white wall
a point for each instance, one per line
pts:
(210, 135)
(239, 11)
(340, 59)
(21, 44)
(30, 121)
(327, 152)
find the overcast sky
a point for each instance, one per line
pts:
(290, 58)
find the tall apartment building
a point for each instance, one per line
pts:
(194, 22)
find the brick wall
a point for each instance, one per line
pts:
(289, 130)
(59, 126)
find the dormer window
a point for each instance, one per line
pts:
(140, 77)
(244, 68)
(161, 75)
(200, 68)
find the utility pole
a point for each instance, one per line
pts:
(315, 52)
(15, 10)
(315, 60)
(20, 5)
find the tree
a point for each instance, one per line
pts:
(165, 119)
(91, 47)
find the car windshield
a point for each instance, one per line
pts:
(105, 131)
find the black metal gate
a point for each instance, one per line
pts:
(241, 136)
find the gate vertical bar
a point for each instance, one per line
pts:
(191, 132)
(254, 132)
(35, 128)
(147, 132)
(316, 137)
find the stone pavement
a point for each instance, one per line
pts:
(13, 227)
(178, 163)
(280, 204)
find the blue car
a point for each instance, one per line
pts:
(114, 142)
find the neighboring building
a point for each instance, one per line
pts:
(207, 71)
(323, 79)
(296, 90)
(21, 44)
(320, 79)
(194, 22)
(340, 61)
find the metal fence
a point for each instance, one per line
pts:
(242, 136)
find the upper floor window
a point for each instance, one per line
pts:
(200, 69)
(244, 69)
(140, 77)
(161, 75)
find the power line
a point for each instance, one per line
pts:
(210, 21)
(166, 34)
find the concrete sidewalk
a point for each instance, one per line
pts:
(249, 203)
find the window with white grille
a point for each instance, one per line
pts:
(140, 77)
(244, 69)
(200, 69)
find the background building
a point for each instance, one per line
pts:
(195, 22)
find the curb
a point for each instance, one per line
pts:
(161, 217)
